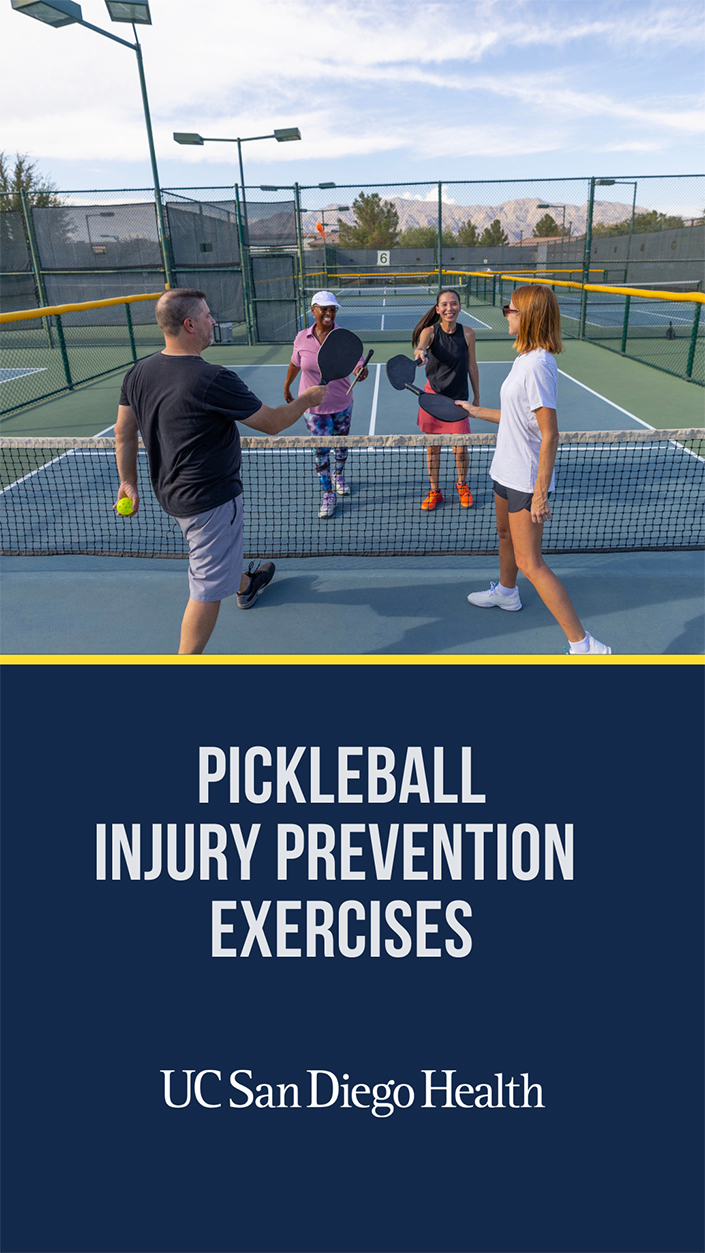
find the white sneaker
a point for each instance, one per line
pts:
(594, 646)
(328, 504)
(494, 598)
(341, 487)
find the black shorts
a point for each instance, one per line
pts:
(516, 500)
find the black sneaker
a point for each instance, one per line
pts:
(259, 578)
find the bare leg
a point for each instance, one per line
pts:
(526, 539)
(507, 562)
(197, 625)
(433, 461)
(462, 458)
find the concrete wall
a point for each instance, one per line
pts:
(654, 257)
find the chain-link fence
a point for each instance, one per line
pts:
(383, 249)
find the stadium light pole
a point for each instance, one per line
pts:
(284, 135)
(337, 208)
(594, 182)
(67, 13)
(628, 182)
(556, 206)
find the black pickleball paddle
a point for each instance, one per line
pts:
(401, 372)
(339, 354)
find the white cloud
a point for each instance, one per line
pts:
(440, 80)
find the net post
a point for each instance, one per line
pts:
(693, 340)
(36, 263)
(625, 324)
(64, 353)
(130, 331)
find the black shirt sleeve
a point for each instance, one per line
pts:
(230, 397)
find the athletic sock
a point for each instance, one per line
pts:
(506, 591)
(581, 646)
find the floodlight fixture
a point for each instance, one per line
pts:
(66, 12)
(287, 135)
(323, 186)
(137, 13)
(51, 12)
(185, 137)
(605, 182)
(268, 187)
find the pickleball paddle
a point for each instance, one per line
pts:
(371, 353)
(339, 354)
(401, 372)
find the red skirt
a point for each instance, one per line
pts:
(433, 426)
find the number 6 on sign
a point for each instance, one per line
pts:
(383, 258)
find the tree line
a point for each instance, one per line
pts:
(376, 225)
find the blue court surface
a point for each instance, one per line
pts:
(639, 603)
(380, 410)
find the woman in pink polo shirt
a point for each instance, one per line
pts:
(334, 419)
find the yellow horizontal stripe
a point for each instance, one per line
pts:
(23, 315)
(334, 659)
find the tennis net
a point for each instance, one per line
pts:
(616, 491)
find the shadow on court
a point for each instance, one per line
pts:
(638, 603)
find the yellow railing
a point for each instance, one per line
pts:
(23, 315)
(697, 297)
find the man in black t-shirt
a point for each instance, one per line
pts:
(185, 409)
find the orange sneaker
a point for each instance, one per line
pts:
(433, 499)
(465, 495)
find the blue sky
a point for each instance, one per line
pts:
(401, 92)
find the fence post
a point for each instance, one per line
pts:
(164, 240)
(693, 340)
(440, 236)
(625, 324)
(244, 270)
(35, 259)
(586, 258)
(300, 247)
(64, 353)
(130, 331)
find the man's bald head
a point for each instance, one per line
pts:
(177, 305)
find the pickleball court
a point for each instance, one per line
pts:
(365, 602)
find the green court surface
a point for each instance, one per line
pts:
(639, 603)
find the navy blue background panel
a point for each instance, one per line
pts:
(591, 987)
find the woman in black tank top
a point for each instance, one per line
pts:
(448, 352)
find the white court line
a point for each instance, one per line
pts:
(375, 397)
(21, 373)
(107, 431)
(607, 402)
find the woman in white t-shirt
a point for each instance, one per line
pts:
(522, 466)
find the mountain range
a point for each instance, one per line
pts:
(518, 217)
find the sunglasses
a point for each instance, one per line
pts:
(507, 309)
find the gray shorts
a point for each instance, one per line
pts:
(215, 542)
(516, 501)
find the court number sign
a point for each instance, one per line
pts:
(384, 258)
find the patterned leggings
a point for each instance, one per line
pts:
(329, 424)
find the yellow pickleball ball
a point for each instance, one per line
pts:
(124, 506)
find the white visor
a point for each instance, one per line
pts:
(324, 298)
